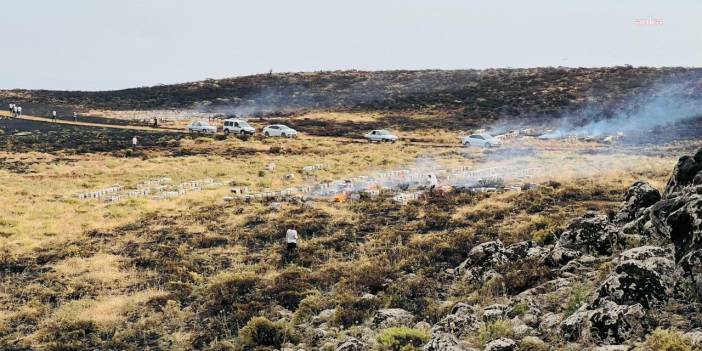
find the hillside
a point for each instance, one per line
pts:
(492, 93)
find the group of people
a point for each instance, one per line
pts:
(15, 110)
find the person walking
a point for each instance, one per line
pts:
(12, 109)
(53, 116)
(432, 182)
(135, 141)
(291, 239)
(19, 111)
(75, 117)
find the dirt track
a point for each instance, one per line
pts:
(97, 125)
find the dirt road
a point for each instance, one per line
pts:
(96, 125)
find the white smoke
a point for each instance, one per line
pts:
(664, 104)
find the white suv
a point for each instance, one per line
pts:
(482, 140)
(381, 135)
(238, 126)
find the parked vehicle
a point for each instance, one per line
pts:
(481, 140)
(201, 127)
(279, 130)
(238, 126)
(381, 135)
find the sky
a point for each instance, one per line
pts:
(116, 44)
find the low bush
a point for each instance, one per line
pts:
(259, 331)
(402, 339)
(531, 343)
(495, 330)
(351, 310)
(665, 340)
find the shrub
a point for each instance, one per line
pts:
(531, 343)
(290, 287)
(351, 311)
(577, 298)
(665, 340)
(520, 309)
(259, 331)
(402, 338)
(310, 306)
(495, 330)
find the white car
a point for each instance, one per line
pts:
(238, 126)
(482, 140)
(201, 127)
(279, 130)
(380, 135)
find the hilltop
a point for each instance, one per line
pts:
(490, 93)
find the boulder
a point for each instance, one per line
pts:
(461, 321)
(647, 282)
(638, 197)
(683, 174)
(616, 324)
(442, 342)
(480, 259)
(501, 344)
(352, 344)
(685, 226)
(591, 234)
(392, 317)
(691, 265)
(494, 312)
(609, 324)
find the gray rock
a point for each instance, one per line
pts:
(324, 316)
(352, 344)
(392, 317)
(683, 174)
(461, 321)
(549, 321)
(613, 348)
(494, 312)
(609, 324)
(591, 234)
(691, 264)
(648, 282)
(501, 344)
(685, 226)
(443, 342)
(639, 196)
(695, 338)
(480, 259)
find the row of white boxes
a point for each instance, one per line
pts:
(156, 187)
(316, 167)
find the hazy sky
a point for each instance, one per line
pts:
(112, 44)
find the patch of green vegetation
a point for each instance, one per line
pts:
(495, 330)
(402, 339)
(577, 298)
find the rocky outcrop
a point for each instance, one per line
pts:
(591, 234)
(443, 342)
(501, 344)
(608, 324)
(643, 278)
(461, 321)
(481, 259)
(637, 198)
(683, 174)
(392, 317)
(352, 344)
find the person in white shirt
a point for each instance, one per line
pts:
(432, 182)
(135, 141)
(291, 239)
(19, 111)
(53, 116)
(12, 109)
(75, 117)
